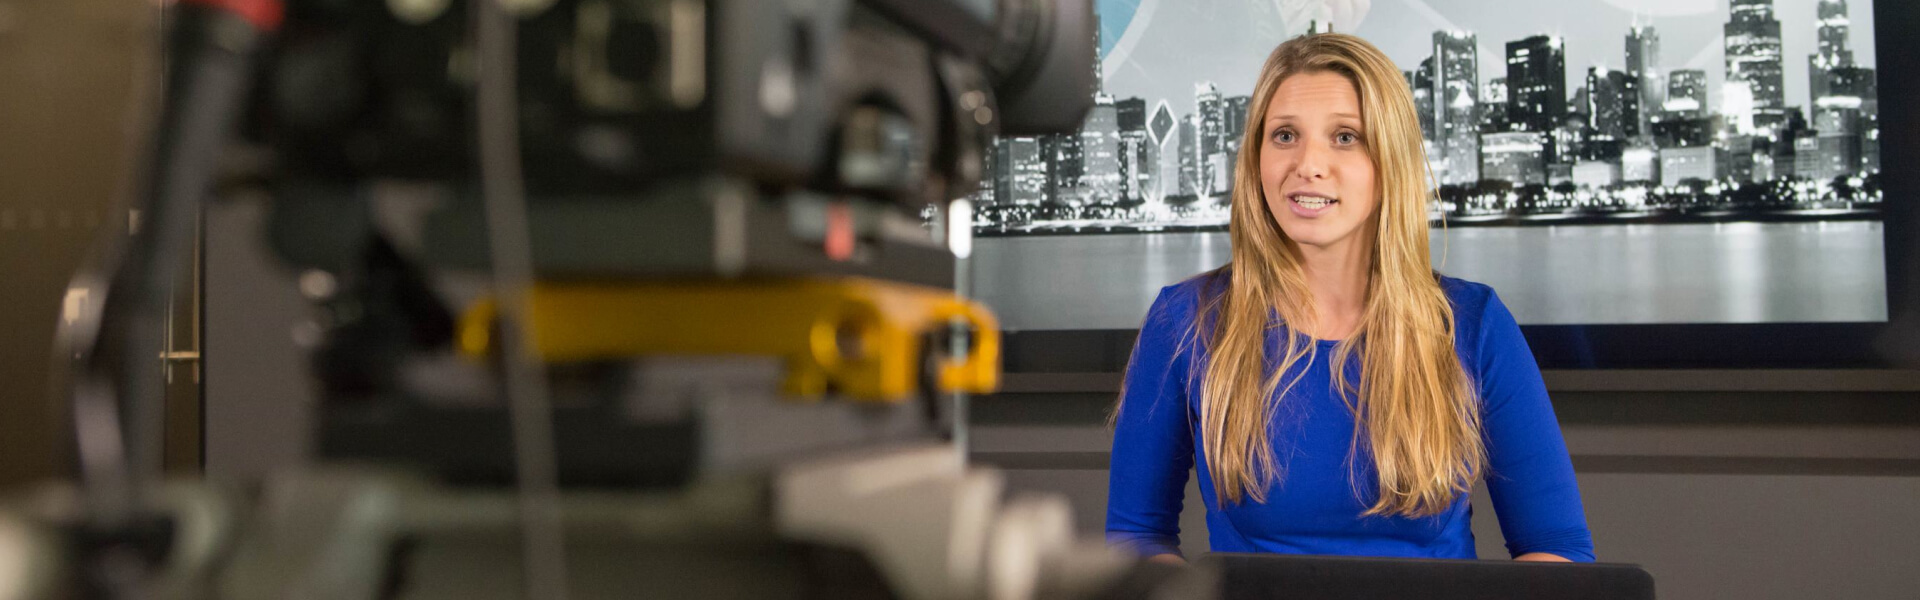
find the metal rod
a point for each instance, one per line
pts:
(502, 189)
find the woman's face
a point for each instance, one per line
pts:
(1315, 171)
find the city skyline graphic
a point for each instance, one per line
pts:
(1702, 111)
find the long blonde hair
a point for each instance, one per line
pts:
(1415, 410)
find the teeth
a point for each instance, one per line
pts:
(1311, 202)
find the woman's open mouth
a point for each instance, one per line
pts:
(1311, 201)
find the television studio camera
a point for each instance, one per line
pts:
(681, 320)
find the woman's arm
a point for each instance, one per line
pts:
(1152, 440)
(1530, 477)
(1170, 559)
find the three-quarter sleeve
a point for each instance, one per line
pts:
(1153, 439)
(1530, 476)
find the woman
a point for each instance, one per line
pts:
(1330, 273)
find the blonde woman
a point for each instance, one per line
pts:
(1234, 371)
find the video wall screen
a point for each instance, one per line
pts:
(1597, 161)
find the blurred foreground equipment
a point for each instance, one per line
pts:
(675, 325)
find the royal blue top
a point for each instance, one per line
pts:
(1315, 507)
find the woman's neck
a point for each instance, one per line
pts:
(1337, 278)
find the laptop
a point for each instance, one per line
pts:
(1304, 577)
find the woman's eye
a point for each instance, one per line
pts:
(1346, 138)
(1283, 136)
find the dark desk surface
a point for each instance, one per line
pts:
(1294, 577)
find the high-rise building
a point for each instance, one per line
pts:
(1423, 98)
(1493, 99)
(1753, 56)
(1845, 125)
(999, 173)
(1210, 121)
(1687, 94)
(1456, 110)
(1236, 126)
(1783, 155)
(1100, 144)
(1536, 83)
(1839, 155)
(1537, 87)
(1069, 167)
(1028, 160)
(1189, 147)
(1676, 132)
(988, 192)
(1806, 158)
(1870, 140)
(1740, 154)
(1833, 32)
(1845, 98)
(1136, 149)
(1161, 125)
(1832, 52)
(1738, 110)
(1613, 104)
(1848, 89)
(1130, 114)
(1643, 64)
(1494, 93)
(1138, 169)
(1221, 166)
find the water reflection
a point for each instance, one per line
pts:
(1693, 273)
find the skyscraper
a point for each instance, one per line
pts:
(1613, 104)
(1100, 143)
(1687, 94)
(1067, 156)
(1753, 56)
(1785, 161)
(1537, 86)
(1189, 162)
(999, 173)
(1643, 64)
(1131, 114)
(1832, 52)
(1028, 160)
(1236, 125)
(1456, 100)
(1138, 168)
(1493, 115)
(1845, 98)
(1423, 98)
(1210, 121)
(1676, 131)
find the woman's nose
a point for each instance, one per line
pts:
(1312, 162)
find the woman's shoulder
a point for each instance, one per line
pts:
(1183, 298)
(1470, 299)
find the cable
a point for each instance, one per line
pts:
(503, 191)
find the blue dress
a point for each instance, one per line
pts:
(1316, 506)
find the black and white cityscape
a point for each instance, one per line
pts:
(1530, 141)
(1596, 161)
